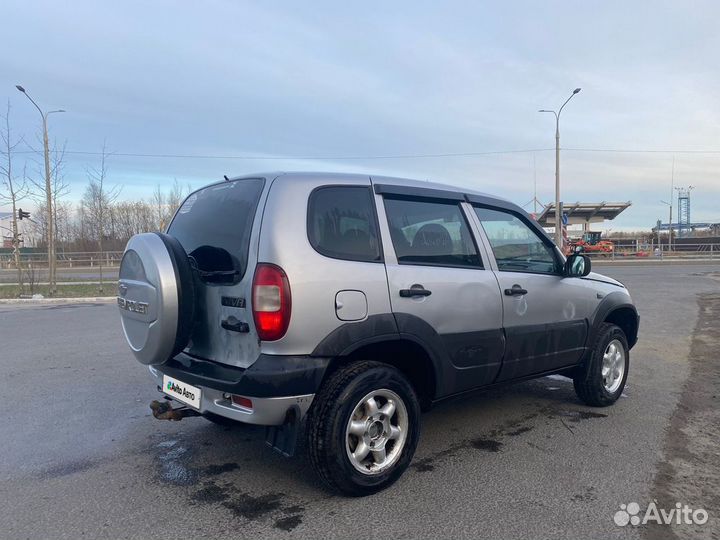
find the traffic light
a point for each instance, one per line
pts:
(22, 214)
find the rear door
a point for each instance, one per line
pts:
(440, 291)
(217, 225)
(545, 314)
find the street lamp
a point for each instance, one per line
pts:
(48, 190)
(558, 214)
(670, 227)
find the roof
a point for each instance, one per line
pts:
(376, 179)
(405, 187)
(580, 212)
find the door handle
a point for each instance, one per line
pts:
(415, 290)
(232, 324)
(516, 290)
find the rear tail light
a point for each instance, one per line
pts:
(271, 302)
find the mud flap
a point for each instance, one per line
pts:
(283, 438)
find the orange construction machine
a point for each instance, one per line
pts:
(592, 243)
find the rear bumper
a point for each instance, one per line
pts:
(276, 385)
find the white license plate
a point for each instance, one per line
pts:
(183, 392)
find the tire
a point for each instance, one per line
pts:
(601, 380)
(156, 297)
(334, 449)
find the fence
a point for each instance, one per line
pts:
(623, 248)
(80, 259)
(642, 249)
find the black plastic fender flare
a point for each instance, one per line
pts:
(612, 302)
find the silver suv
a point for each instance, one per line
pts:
(346, 304)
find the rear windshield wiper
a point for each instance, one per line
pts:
(213, 276)
(218, 275)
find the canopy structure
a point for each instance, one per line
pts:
(583, 213)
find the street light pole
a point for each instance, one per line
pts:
(558, 214)
(559, 242)
(672, 194)
(48, 192)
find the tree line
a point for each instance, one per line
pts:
(100, 221)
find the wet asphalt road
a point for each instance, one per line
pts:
(82, 456)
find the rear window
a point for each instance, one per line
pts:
(342, 223)
(214, 226)
(429, 232)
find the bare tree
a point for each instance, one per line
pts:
(98, 200)
(16, 187)
(60, 188)
(158, 200)
(165, 205)
(130, 218)
(174, 200)
(64, 217)
(31, 277)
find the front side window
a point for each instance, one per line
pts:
(517, 248)
(428, 232)
(342, 224)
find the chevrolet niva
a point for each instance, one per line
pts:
(339, 306)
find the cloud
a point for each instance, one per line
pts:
(327, 79)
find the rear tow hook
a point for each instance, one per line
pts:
(163, 410)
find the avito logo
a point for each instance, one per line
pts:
(682, 514)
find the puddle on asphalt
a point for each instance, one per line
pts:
(173, 467)
(174, 458)
(494, 440)
(489, 445)
(248, 506)
(491, 442)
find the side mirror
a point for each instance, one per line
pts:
(577, 265)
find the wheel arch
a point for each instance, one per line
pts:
(616, 308)
(626, 318)
(405, 352)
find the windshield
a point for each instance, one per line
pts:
(214, 226)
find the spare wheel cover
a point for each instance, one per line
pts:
(150, 297)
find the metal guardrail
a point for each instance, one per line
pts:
(644, 250)
(76, 259)
(626, 250)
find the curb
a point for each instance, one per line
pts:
(40, 301)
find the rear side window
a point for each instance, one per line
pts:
(428, 232)
(342, 223)
(214, 226)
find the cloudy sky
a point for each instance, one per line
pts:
(306, 85)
